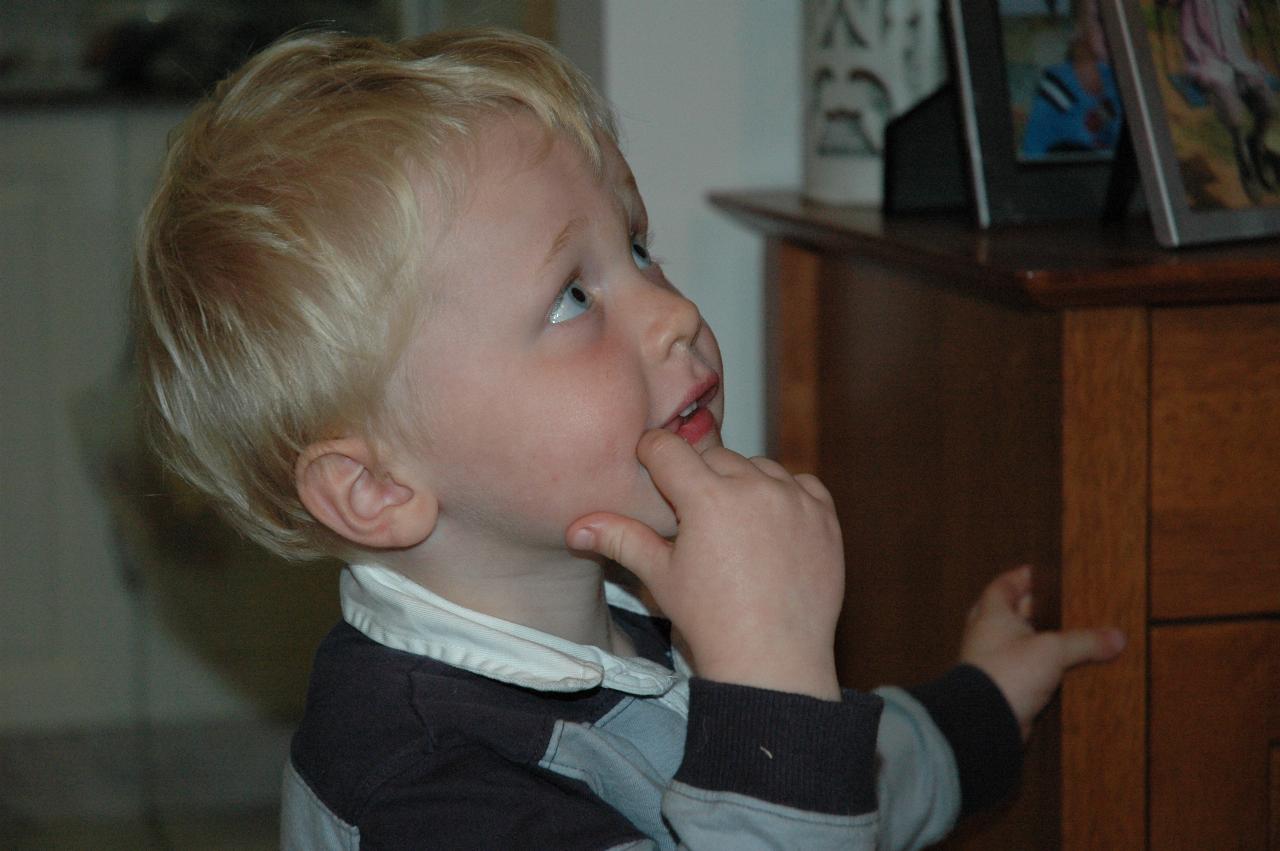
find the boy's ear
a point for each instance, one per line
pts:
(339, 484)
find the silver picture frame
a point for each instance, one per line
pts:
(1196, 191)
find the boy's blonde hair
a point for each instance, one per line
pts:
(280, 264)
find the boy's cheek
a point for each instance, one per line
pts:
(619, 485)
(554, 478)
(553, 449)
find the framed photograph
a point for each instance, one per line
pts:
(1040, 104)
(1200, 80)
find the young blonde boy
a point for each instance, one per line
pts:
(395, 303)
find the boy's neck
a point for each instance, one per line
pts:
(549, 591)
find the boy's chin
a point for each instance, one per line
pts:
(660, 518)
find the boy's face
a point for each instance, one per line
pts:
(552, 343)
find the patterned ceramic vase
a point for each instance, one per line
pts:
(866, 61)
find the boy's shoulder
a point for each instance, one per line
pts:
(392, 743)
(375, 715)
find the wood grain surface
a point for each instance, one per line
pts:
(1215, 468)
(793, 420)
(937, 431)
(1104, 578)
(1056, 264)
(1215, 722)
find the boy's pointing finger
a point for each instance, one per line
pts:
(658, 444)
(672, 463)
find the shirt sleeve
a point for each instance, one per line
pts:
(770, 769)
(946, 748)
(982, 731)
(890, 770)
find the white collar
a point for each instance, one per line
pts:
(401, 614)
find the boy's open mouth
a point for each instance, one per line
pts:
(694, 421)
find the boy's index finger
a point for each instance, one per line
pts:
(672, 463)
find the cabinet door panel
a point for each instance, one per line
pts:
(1215, 471)
(1215, 719)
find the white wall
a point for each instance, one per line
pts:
(89, 618)
(708, 97)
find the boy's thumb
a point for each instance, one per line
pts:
(629, 542)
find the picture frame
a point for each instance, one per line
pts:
(1198, 185)
(1007, 187)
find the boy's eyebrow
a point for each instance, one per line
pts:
(562, 239)
(628, 194)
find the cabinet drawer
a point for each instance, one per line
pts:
(1215, 735)
(1215, 461)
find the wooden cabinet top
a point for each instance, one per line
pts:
(1060, 264)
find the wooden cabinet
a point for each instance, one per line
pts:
(1215, 461)
(1075, 397)
(1214, 751)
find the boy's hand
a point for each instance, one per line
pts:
(1025, 664)
(754, 579)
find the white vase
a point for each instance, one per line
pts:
(866, 62)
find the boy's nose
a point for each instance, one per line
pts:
(672, 321)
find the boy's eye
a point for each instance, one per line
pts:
(640, 254)
(573, 301)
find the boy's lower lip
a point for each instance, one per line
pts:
(697, 426)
